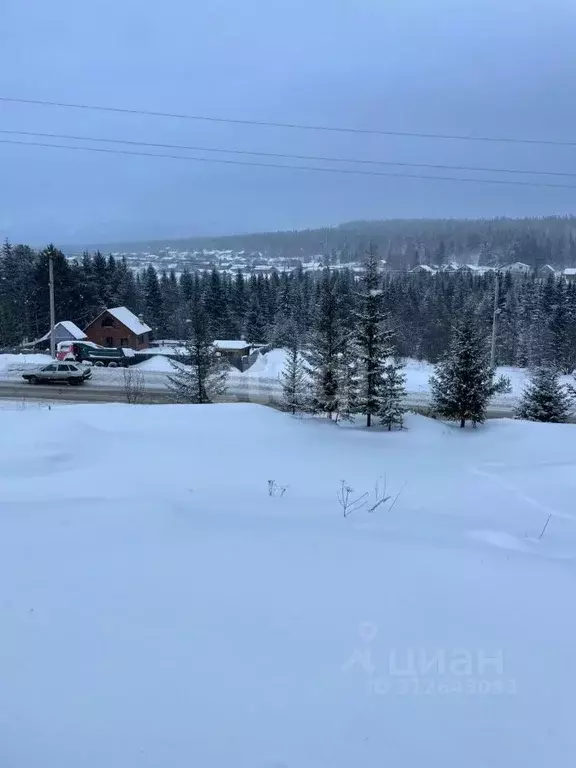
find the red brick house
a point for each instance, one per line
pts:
(118, 327)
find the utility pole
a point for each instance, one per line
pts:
(52, 314)
(495, 320)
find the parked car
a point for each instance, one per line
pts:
(58, 373)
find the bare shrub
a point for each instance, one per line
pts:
(134, 385)
(350, 503)
(276, 490)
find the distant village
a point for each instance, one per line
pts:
(231, 262)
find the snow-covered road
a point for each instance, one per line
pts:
(259, 384)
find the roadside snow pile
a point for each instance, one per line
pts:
(166, 349)
(171, 612)
(159, 363)
(21, 362)
(268, 368)
(269, 365)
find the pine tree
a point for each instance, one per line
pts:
(464, 382)
(391, 411)
(325, 350)
(545, 399)
(293, 376)
(203, 374)
(371, 339)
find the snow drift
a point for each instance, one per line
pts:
(159, 608)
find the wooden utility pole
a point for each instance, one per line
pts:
(52, 313)
(495, 320)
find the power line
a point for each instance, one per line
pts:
(298, 126)
(353, 171)
(291, 156)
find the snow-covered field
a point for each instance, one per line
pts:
(159, 608)
(262, 380)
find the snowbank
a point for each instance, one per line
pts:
(20, 362)
(269, 366)
(173, 613)
(159, 363)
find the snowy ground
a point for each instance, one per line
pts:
(159, 608)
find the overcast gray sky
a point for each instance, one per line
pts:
(503, 67)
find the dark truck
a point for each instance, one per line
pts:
(88, 352)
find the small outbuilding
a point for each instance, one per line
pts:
(65, 330)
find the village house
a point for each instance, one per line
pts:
(547, 271)
(119, 327)
(518, 268)
(237, 352)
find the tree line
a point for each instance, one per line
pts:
(536, 317)
(346, 333)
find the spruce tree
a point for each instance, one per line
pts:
(239, 300)
(186, 286)
(347, 384)
(203, 374)
(545, 399)
(371, 339)
(391, 411)
(464, 382)
(153, 305)
(325, 349)
(65, 290)
(129, 294)
(101, 273)
(562, 352)
(440, 256)
(255, 321)
(17, 264)
(170, 290)
(216, 304)
(293, 375)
